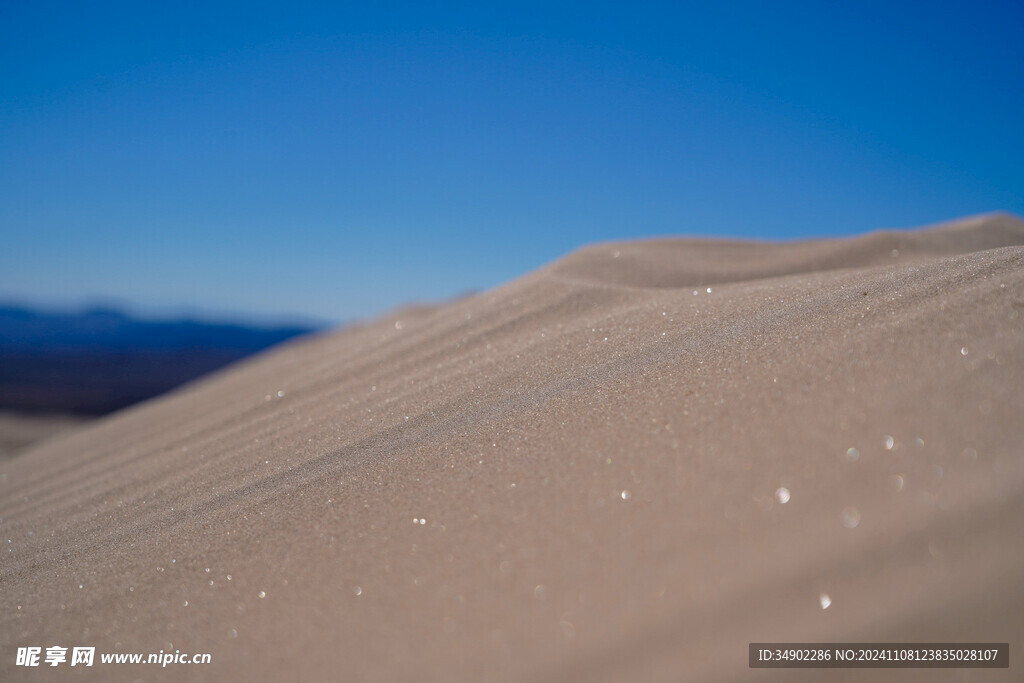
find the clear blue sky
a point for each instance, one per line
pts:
(334, 161)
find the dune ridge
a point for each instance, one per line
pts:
(625, 465)
(700, 262)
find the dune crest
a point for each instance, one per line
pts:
(626, 465)
(667, 263)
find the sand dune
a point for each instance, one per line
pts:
(577, 476)
(18, 431)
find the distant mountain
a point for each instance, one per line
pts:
(101, 360)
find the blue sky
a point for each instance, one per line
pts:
(335, 161)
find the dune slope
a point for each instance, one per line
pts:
(626, 465)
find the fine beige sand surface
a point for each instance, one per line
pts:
(18, 431)
(625, 466)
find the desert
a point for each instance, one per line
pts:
(628, 464)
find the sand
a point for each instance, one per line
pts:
(19, 430)
(577, 476)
